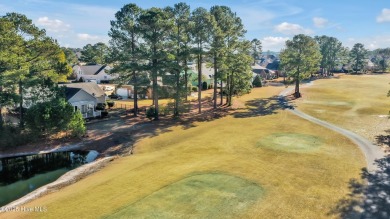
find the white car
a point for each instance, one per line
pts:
(109, 88)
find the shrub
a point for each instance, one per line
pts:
(164, 110)
(257, 81)
(100, 106)
(194, 89)
(77, 125)
(110, 104)
(11, 136)
(150, 112)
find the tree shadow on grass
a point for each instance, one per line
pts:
(370, 196)
(265, 106)
(119, 135)
(384, 139)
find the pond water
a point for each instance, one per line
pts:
(22, 175)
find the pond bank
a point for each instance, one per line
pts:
(65, 180)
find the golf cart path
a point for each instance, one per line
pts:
(371, 151)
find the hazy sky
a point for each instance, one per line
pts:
(77, 23)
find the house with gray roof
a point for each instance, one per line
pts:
(82, 101)
(91, 88)
(93, 73)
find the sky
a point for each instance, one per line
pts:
(77, 23)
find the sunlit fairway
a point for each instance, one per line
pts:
(355, 102)
(264, 163)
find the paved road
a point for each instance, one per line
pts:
(370, 151)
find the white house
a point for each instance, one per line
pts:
(82, 101)
(91, 88)
(93, 73)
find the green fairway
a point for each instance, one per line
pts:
(291, 142)
(216, 168)
(227, 197)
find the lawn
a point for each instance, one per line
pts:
(129, 103)
(255, 163)
(355, 102)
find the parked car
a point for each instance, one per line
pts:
(114, 96)
(109, 88)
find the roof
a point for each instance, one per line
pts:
(70, 92)
(92, 69)
(89, 87)
(206, 71)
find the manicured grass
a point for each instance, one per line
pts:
(355, 102)
(166, 169)
(291, 142)
(225, 195)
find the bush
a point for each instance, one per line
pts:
(164, 110)
(100, 106)
(110, 104)
(150, 113)
(194, 89)
(257, 81)
(11, 136)
(77, 125)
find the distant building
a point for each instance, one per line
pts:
(93, 73)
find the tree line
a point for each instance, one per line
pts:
(304, 56)
(161, 42)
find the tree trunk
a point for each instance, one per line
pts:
(186, 79)
(200, 82)
(177, 96)
(135, 94)
(215, 83)
(231, 88)
(21, 122)
(221, 90)
(297, 94)
(134, 76)
(155, 86)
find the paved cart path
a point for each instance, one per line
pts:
(371, 151)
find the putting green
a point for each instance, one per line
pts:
(291, 142)
(211, 195)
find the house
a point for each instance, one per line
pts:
(93, 73)
(263, 72)
(82, 101)
(91, 88)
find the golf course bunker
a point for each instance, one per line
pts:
(211, 195)
(291, 142)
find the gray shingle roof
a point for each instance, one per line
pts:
(70, 92)
(90, 87)
(92, 69)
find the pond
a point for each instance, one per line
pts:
(22, 175)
